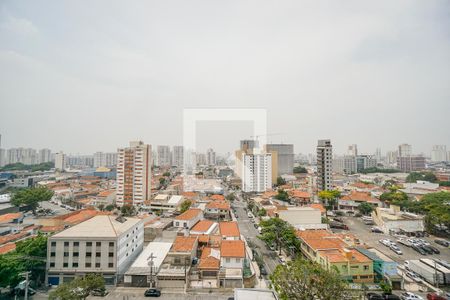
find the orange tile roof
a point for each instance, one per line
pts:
(340, 255)
(232, 248)
(299, 194)
(269, 194)
(207, 261)
(12, 237)
(318, 206)
(190, 194)
(218, 204)
(184, 243)
(6, 218)
(359, 196)
(7, 248)
(80, 216)
(363, 185)
(189, 214)
(229, 229)
(51, 228)
(313, 234)
(105, 193)
(217, 197)
(202, 226)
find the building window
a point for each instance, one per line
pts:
(66, 244)
(66, 254)
(52, 254)
(76, 254)
(111, 254)
(52, 265)
(87, 265)
(238, 260)
(110, 265)
(76, 244)
(53, 244)
(97, 254)
(88, 254)
(177, 223)
(98, 244)
(227, 260)
(111, 244)
(65, 265)
(97, 265)
(366, 267)
(88, 244)
(75, 265)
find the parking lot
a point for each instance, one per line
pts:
(363, 232)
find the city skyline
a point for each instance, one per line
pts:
(343, 72)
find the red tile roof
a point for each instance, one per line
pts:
(184, 243)
(218, 204)
(189, 214)
(7, 218)
(217, 197)
(7, 248)
(232, 249)
(359, 196)
(229, 229)
(208, 260)
(202, 226)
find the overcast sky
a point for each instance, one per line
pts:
(85, 76)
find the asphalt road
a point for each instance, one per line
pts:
(248, 230)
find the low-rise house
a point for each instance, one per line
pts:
(103, 244)
(392, 220)
(303, 217)
(165, 202)
(206, 227)
(299, 197)
(419, 188)
(232, 257)
(188, 219)
(209, 264)
(229, 231)
(351, 201)
(174, 272)
(218, 210)
(331, 251)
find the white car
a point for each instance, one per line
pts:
(410, 296)
(414, 277)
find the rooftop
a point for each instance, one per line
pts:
(99, 226)
(232, 248)
(184, 244)
(203, 226)
(218, 204)
(229, 229)
(210, 258)
(189, 214)
(7, 218)
(141, 265)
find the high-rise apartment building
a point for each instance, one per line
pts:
(2, 157)
(134, 174)
(285, 157)
(256, 172)
(102, 159)
(249, 145)
(345, 164)
(210, 157)
(352, 150)
(60, 161)
(25, 156)
(200, 159)
(324, 165)
(45, 155)
(439, 153)
(365, 162)
(178, 156)
(391, 158)
(164, 156)
(404, 150)
(411, 163)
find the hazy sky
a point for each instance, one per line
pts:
(84, 76)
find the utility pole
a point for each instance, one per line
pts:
(150, 263)
(26, 274)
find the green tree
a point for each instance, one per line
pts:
(331, 197)
(110, 207)
(279, 232)
(395, 197)
(280, 181)
(79, 288)
(31, 197)
(386, 287)
(128, 210)
(166, 174)
(230, 197)
(444, 183)
(185, 205)
(29, 255)
(299, 170)
(365, 208)
(162, 181)
(282, 195)
(304, 280)
(262, 212)
(427, 176)
(101, 207)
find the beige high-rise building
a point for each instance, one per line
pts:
(60, 161)
(134, 179)
(324, 165)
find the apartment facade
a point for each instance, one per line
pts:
(285, 157)
(256, 172)
(103, 244)
(410, 163)
(210, 157)
(163, 157)
(324, 165)
(45, 155)
(439, 153)
(60, 161)
(134, 174)
(102, 159)
(178, 156)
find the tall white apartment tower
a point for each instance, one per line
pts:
(404, 150)
(134, 179)
(60, 161)
(439, 153)
(352, 150)
(45, 155)
(256, 172)
(324, 165)
(210, 157)
(163, 156)
(178, 156)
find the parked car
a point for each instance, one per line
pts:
(338, 225)
(152, 293)
(443, 243)
(434, 296)
(99, 292)
(418, 249)
(414, 276)
(374, 296)
(410, 296)
(435, 250)
(376, 230)
(391, 297)
(427, 249)
(262, 270)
